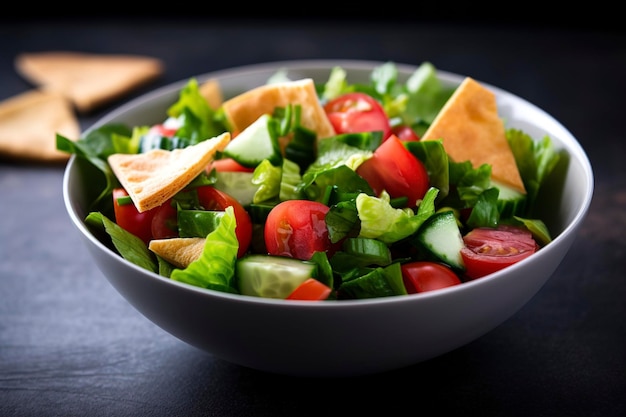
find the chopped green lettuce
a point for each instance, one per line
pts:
(324, 170)
(215, 269)
(198, 119)
(336, 84)
(535, 161)
(267, 177)
(129, 246)
(379, 220)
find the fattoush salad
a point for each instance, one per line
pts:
(305, 190)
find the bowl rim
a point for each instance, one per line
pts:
(450, 78)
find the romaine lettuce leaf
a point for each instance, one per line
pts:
(267, 177)
(129, 246)
(215, 269)
(535, 161)
(434, 157)
(336, 84)
(199, 120)
(379, 220)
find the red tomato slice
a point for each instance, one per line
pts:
(165, 221)
(310, 290)
(427, 276)
(163, 131)
(405, 133)
(297, 228)
(489, 250)
(228, 165)
(394, 169)
(213, 199)
(130, 219)
(357, 112)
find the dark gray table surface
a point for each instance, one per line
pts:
(70, 345)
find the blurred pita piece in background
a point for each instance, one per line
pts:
(88, 80)
(29, 123)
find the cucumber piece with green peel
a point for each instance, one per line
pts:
(255, 143)
(272, 276)
(238, 185)
(510, 201)
(441, 238)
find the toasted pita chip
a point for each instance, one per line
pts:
(242, 110)
(153, 177)
(29, 123)
(87, 80)
(471, 129)
(180, 251)
(212, 92)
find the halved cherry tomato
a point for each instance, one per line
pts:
(488, 250)
(357, 112)
(297, 228)
(310, 290)
(213, 199)
(421, 276)
(405, 133)
(165, 221)
(228, 165)
(394, 169)
(163, 130)
(129, 218)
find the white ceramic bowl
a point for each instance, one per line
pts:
(340, 338)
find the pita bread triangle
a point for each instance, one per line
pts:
(87, 80)
(180, 251)
(471, 130)
(212, 92)
(153, 177)
(29, 122)
(246, 108)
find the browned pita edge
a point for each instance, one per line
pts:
(179, 251)
(212, 93)
(241, 111)
(153, 177)
(87, 80)
(471, 130)
(29, 123)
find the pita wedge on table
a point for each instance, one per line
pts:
(29, 123)
(153, 177)
(471, 129)
(87, 80)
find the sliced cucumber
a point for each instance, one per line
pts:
(440, 237)
(255, 143)
(272, 276)
(259, 212)
(238, 185)
(510, 202)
